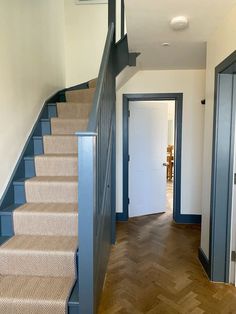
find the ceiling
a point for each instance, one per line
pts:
(148, 27)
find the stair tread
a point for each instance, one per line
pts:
(44, 208)
(69, 119)
(41, 243)
(80, 103)
(60, 135)
(57, 156)
(42, 289)
(55, 179)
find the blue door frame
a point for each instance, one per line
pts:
(178, 98)
(222, 171)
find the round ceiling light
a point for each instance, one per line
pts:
(165, 44)
(179, 23)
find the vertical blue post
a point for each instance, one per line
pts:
(113, 183)
(87, 212)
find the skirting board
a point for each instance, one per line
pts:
(187, 219)
(204, 261)
(179, 219)
(121, 217)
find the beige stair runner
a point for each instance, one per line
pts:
(38, 264)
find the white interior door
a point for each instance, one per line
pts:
(148, 134)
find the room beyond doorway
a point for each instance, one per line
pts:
(178, 99)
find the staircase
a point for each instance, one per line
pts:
(38, 264)
(54, 252)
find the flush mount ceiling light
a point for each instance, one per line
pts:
(165, 44)
(179, 23)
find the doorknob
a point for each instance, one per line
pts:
(165, 164)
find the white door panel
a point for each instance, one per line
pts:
(148, 133)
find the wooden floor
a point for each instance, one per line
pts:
(154, 269)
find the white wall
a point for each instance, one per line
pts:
(32, 68)
(171, 122)
(221, 44)
(86, 30)
(192, 84)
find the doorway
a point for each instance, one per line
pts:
(222, 182)
(130, 101)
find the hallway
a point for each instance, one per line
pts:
(154, 269)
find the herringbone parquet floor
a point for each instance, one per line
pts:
(154, 269)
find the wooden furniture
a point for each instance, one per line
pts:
(170, 163)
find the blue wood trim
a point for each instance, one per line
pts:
(113, 183)
(38, 145)
(4, 239)
(178, 98)
(222, 170)
(187, 219)
(204, 261)
(122, 30)
(121, 217)
(29, 167)
(87, 214)
(93, 118)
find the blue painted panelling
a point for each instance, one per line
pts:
(187, 219)
(3, 239)
(7, 225)
(45, 126)
(122, 216)
(29, 167)
(73, 303)
(38, 145)
(19, 191)
(6, 220)
(52, 110)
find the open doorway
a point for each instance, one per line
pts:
(162, 194)
(221, 264)
(170, 156)
(151, 157)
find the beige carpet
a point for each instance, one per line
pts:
(38, 264)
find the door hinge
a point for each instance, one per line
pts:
(128, 113)
(128, 157)
(128, 201)
(233, 256)
(234, 178)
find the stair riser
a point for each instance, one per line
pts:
(25, 223)
(83, 96)
(63, 126)
(60, 144)
(37, 263)
(56, 166)
(51, 192)
(73, 110)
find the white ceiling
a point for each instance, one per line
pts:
(148, 27)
